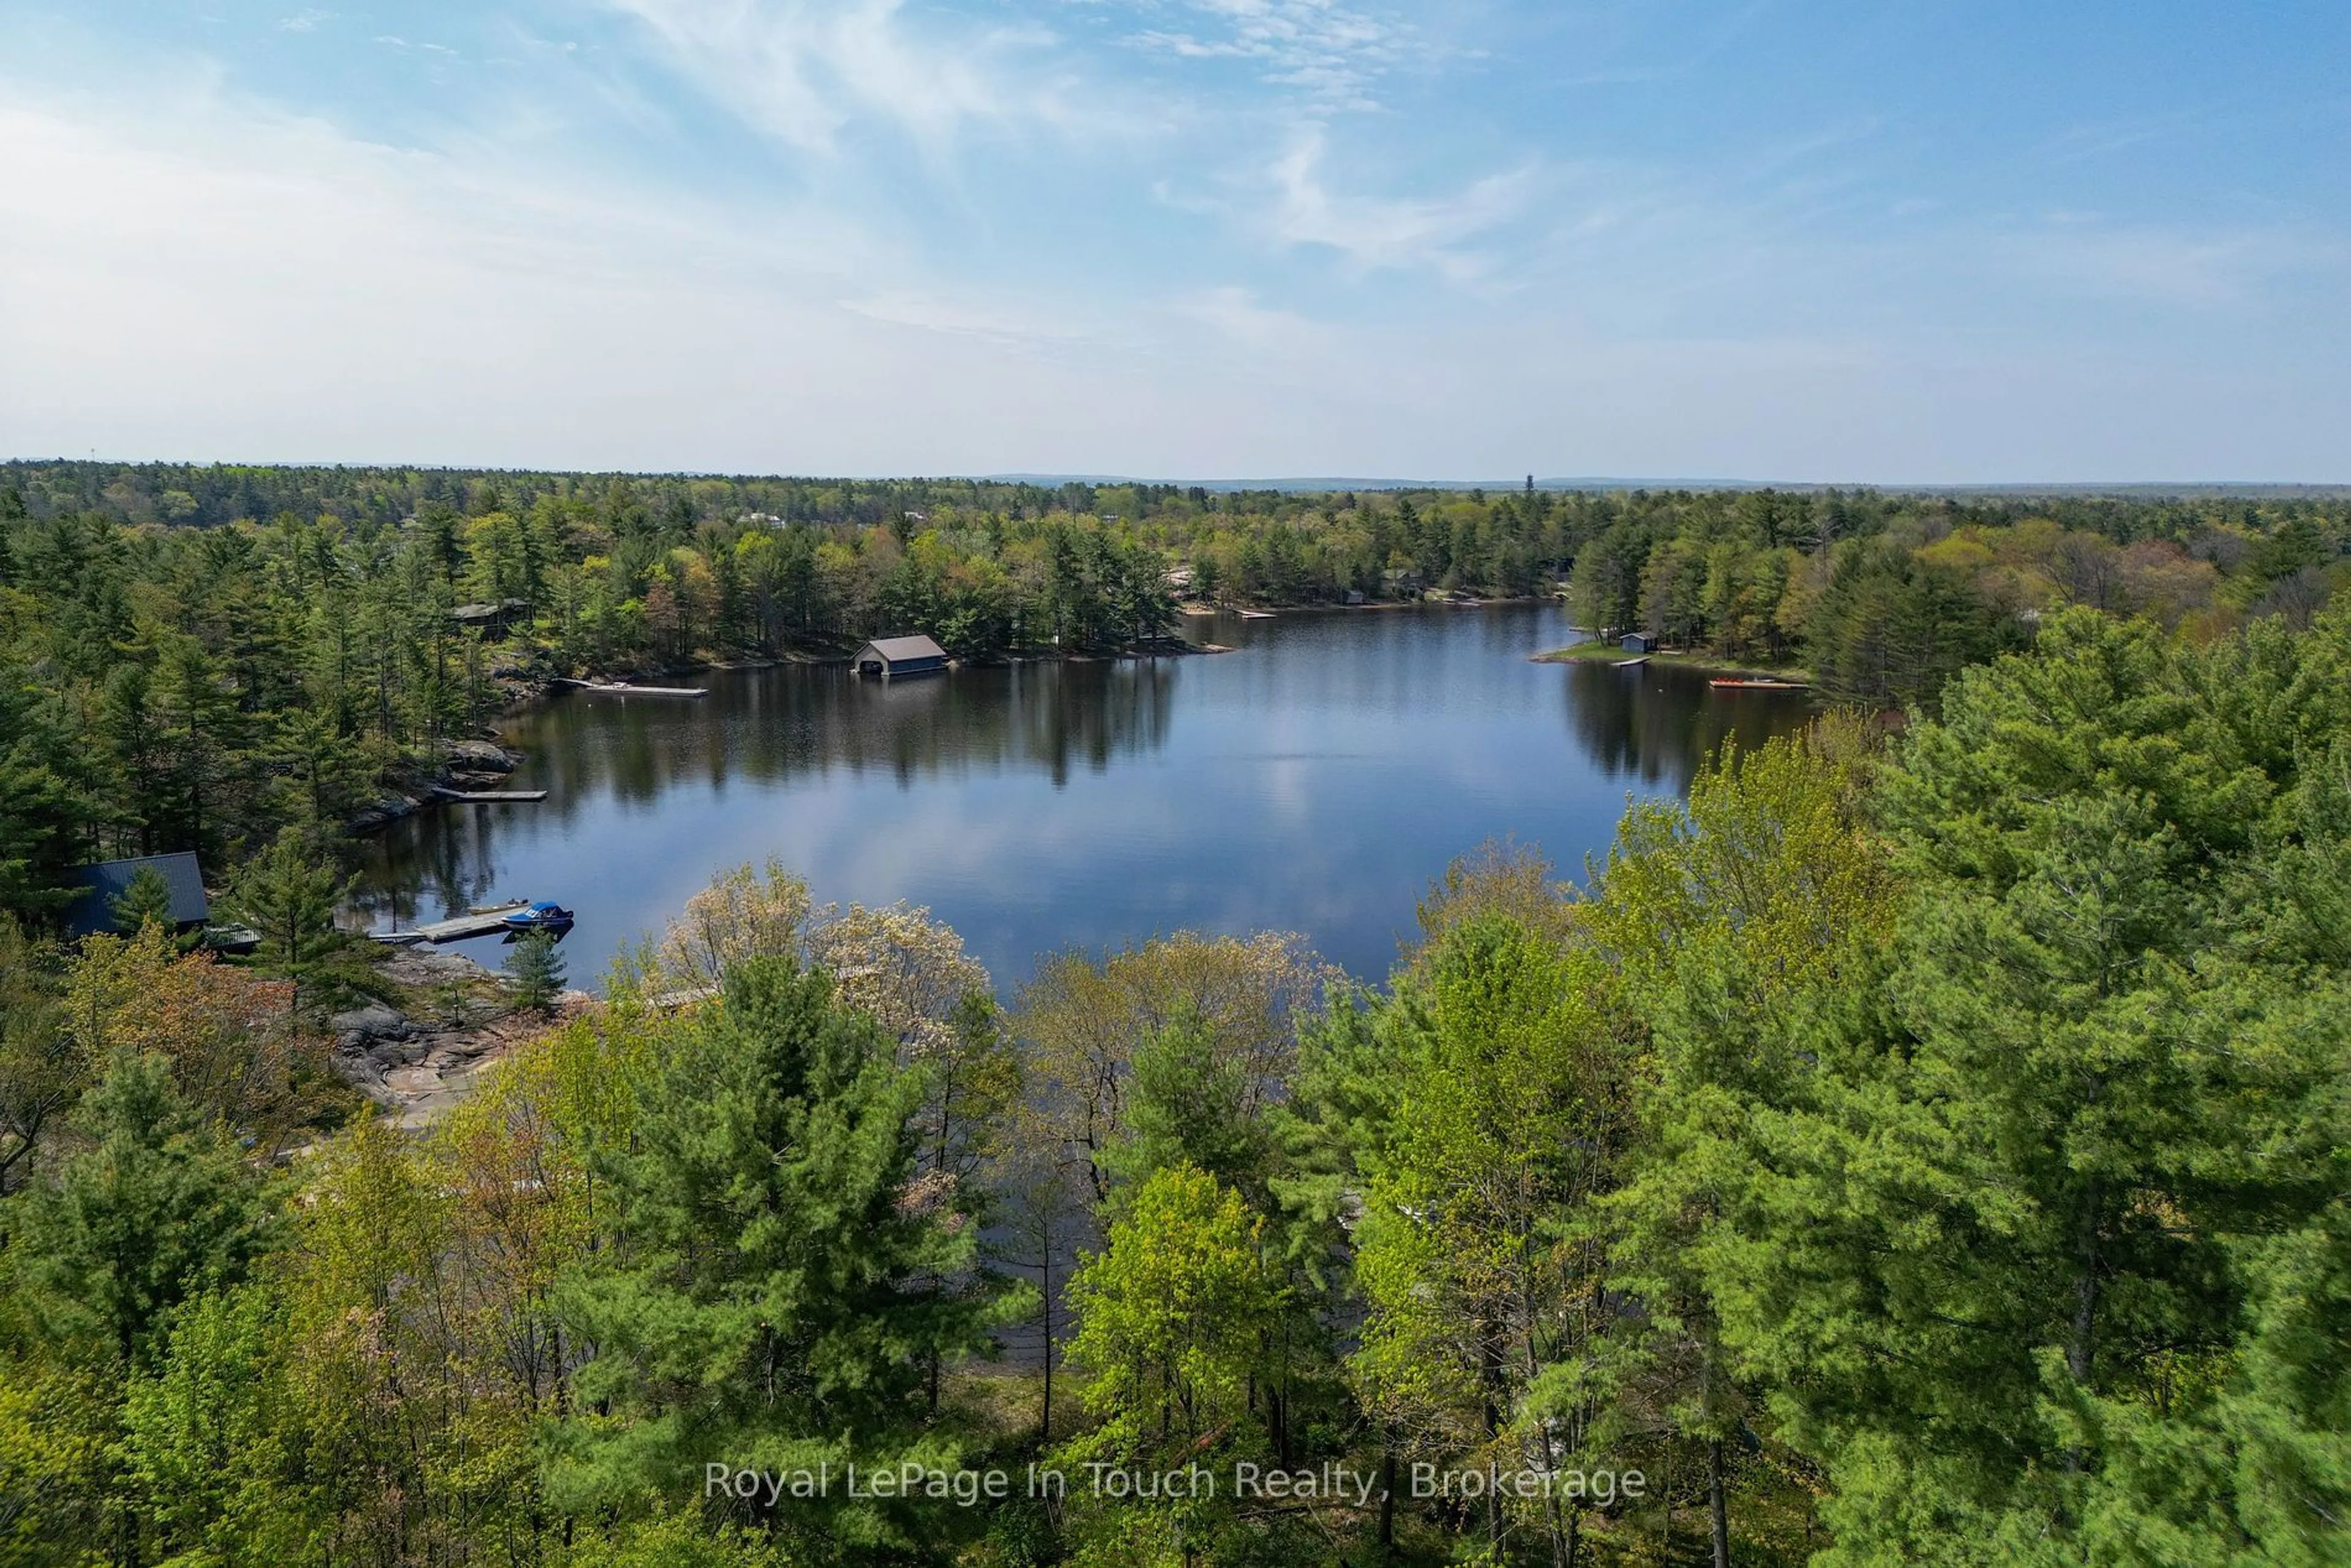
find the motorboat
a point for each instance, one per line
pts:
(539, 915)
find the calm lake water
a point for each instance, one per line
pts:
(1314, 780)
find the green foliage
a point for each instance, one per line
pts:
(1985, 1234)
(534, 970)
(1718, 912)
(766, 1306)
(290, 896)
(1179, 1321)
(1925, 1150)
(148, 897)
(41, 1073)
(1170, 1314)
(153, 1211)
(1476, 1253)
(208, 1449)
(1188, 1103)
(45, 820)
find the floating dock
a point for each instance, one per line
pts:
(489, 797)
(485, 921)
(614, 689)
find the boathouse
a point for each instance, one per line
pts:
(915, 655)
(1639, 643)
(101, 885)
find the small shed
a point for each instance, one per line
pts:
(1639, 643)
(915, 655)
(104, 882)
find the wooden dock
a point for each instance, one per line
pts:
(489, 797)
(485, 921)
(614, 689)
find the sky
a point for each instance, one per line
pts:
(1884, 241)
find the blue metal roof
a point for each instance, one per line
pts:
(109, 880)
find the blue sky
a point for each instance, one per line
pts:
(1186, 238)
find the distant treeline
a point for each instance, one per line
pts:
(195, 657)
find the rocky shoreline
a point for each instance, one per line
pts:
(417, 1063)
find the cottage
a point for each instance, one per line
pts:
(917, 655)
(492, 620)
(1639, 643)
(93, 912)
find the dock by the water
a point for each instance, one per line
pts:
(488, 796)
(614, 689)
(485, 921)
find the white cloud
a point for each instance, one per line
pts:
(805, 70)
(1278, 336)
(185, 274)
(1335, 54)
(1438, 233)
(304, 21)
(188, 273)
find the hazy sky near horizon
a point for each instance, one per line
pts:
(1879, 240)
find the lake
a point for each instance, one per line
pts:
(1314, 780)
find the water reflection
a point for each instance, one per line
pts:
(1313, 781)
(768, 726)
(1655, 725)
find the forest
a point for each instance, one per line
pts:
(201, 658)
(1923, 1144)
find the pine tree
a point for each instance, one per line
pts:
(1986, 1243)
(769, 1303)
(148, 897)
(1717, 912)
(45, 819)
(290, 896)
(155, 1210)
(534, 970)
(1188, 1105)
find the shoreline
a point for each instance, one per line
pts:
(531, 682)
(1596, 652)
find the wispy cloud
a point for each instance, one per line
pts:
(304, 21)
(2082, 254)
(393, 41)
(806, 70)
(1335, 54)
(1242, 321)
(965, 316)
(1438, 233)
